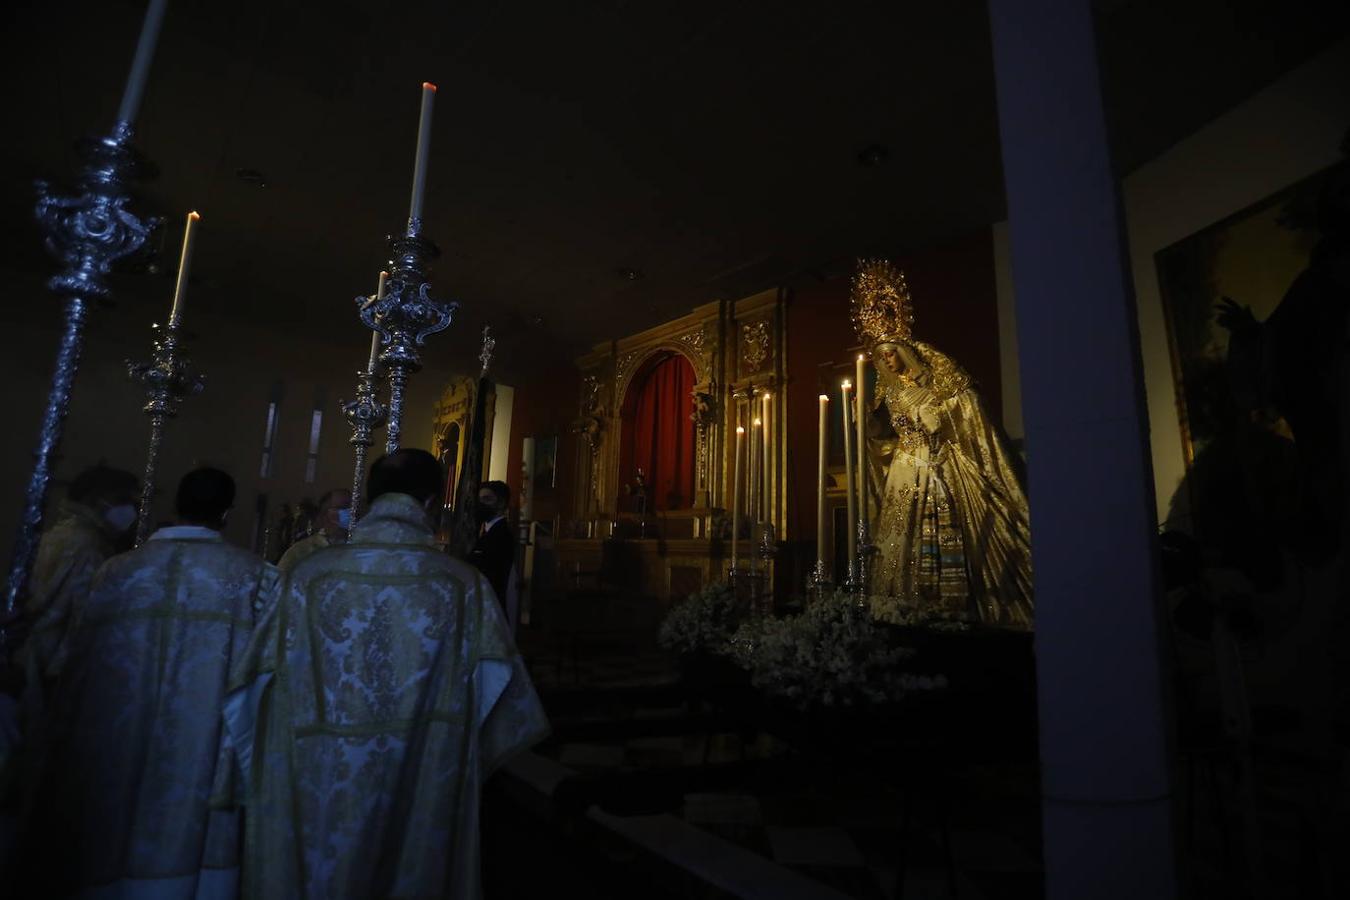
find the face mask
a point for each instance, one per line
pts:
(344, 518)
(121, 517)
(485, 511)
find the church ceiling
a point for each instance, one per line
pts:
(597, 168)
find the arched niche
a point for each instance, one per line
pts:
(657, 433)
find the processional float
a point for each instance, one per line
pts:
(87, 232)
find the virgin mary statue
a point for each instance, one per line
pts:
(953, 532)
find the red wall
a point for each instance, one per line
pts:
(955, 310)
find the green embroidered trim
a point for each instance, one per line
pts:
(371, 729)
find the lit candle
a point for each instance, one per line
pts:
(765, 476)
(736, 494)
(375, 335)
(848, 474)
(140, 63)
(820, 477)
(184, 265)
(419, 188)
(527, 480)
(861, 382)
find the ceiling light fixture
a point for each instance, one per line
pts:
(628, 274)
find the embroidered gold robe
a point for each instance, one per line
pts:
(953, 533)
(375, 698)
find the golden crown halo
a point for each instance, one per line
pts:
(883, 311)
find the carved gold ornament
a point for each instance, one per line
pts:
(755, 339)
(883, 311)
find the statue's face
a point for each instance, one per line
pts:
(899, 359)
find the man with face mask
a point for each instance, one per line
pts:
(375, 697)
(134, 728)
(96, 518)
(494, 552)
(331, 525)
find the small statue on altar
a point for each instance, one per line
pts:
(953, 533)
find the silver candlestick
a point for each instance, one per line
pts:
(819, 578)
(167, 379)
(87, 233)
(364, 415)
(865, 550)
(405, 317)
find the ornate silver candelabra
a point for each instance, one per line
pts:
(364, 415)
(767, 550)
(87, 232)
(405, 317)
(865, 550)
(167, 379)
(819, 579)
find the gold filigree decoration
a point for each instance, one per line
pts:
(883, 311)
(755, 340)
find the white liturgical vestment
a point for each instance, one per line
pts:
(124, 803)
(374, 699)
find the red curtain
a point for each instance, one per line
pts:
(658, 436)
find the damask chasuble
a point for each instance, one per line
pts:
(68, 556)
(124, 806)
(374, 699)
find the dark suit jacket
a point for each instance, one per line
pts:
(493, 554)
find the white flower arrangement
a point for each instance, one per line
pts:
(703, 623)
(834, 652)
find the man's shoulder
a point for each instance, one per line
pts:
(373, 559)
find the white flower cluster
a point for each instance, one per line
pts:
(833, 652)
(701, 624)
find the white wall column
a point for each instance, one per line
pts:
(1106, 786)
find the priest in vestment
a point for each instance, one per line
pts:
(332, 522)
(374, 699)
(99, 509)
(122, 807)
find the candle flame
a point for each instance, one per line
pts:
(825, 398)
(861, 357)
(847, 384)
(758, 422)
(428, 86)
(194, 215)
(740, 429)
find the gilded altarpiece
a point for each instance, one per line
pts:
(452, 424)
(735, 350)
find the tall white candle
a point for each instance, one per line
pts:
(527, 480)
(375, 335)
(736, 494)
(756, 436)
(140, 64)
(184, 269)
(849, 483)
(824, 437)
(766, 467)
(861, 418)
(419, 188)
